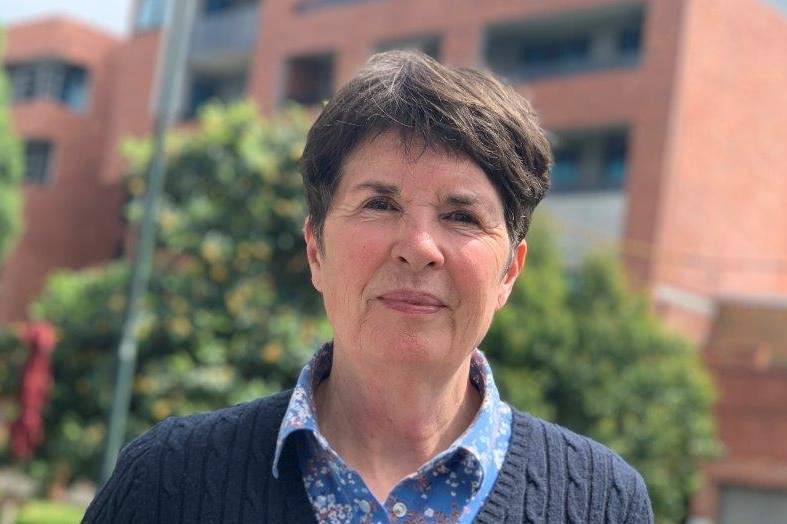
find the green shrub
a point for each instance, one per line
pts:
(46, 512)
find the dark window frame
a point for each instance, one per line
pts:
(600, 160)
(213, 7)
(205, 88)
(306, 6)
(50, 79)
(39, 156)
(569, 43)
(315, 90)
(430, 44)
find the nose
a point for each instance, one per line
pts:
(416, 245)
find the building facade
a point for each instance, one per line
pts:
(61, 83)
(662, 114)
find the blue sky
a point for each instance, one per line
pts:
(110, 15)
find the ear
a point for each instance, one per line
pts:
(313, 254)
(509, 279)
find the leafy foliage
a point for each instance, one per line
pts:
(12, 357)
(11, 168)
(585, 352)
(230, 314)
(46, 512)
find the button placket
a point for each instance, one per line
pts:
(399, 509)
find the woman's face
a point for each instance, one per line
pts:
(415, 257)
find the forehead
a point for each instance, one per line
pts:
(412, 165)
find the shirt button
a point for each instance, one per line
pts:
(365, 506)
(399, 509)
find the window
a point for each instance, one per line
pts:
(545, 57)
(215, 87)
(150, 15)
(629, 41)
(74, 90)
(311, 5)
(309, 79)
(49, 79)
(571, 43)
(614, 167)
(590, 161)
(224, 32)
(565, 172)
(429, 45)
(752, 505)
(22, 78)
(217, 6)
(38, 160)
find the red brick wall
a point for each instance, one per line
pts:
(639, 98)
(747, 356)
(134, 71)
(722, 227)
(72, 221)
(752, 425)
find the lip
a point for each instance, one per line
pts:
(411, 302)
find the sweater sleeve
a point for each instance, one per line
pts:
(128, 494)
(640, 510)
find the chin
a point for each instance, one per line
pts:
(407, 349)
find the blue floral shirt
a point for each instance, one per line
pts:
(451, 487)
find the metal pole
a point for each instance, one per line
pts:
(170, 74)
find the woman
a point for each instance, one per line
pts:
(421, 182)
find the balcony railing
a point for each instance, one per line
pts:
(313, 5)
(233, 31)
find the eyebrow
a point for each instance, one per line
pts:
(462, 200)
(379, 188)
(391, 190)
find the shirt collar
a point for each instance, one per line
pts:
(479, 437)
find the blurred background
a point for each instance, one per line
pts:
(652, 313)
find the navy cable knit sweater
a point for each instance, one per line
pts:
(216, 468)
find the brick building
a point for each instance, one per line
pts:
(668, 147)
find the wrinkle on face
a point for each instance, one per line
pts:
(429, 197)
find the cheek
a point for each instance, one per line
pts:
(484, 264)
(478, 282)
(350, 266)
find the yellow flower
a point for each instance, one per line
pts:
(296, 151)
(261, 250)
(168, 219)
(143, 329)
(271, 353)
(116, 302)
(161, 409)
(180, 326)
(241, 263)
(218, 273)
(178, 304)
(143, 385)
(136, 186)
(210, 251)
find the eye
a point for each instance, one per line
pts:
(379, 204)
(464, 217)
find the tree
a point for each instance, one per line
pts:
(585, 352)
(230, 314)
(11, 168)
(12, 351)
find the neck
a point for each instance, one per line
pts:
(387, 425)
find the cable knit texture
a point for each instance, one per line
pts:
(216, 468)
